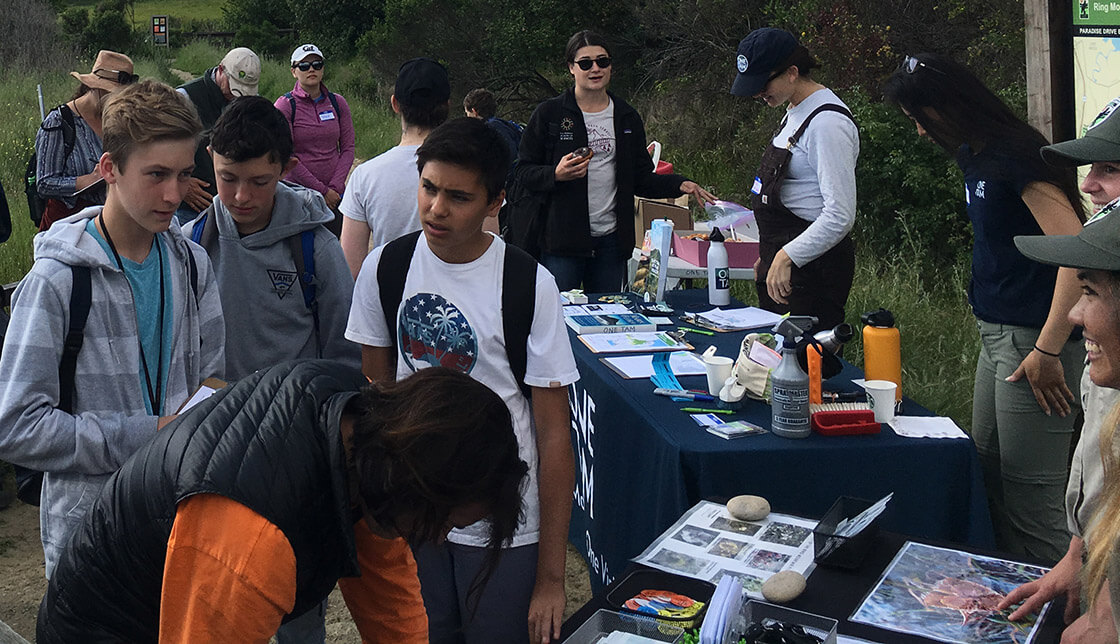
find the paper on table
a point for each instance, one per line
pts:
(204, 391)
(683, 363)
(637, 342)
(750, 317)
(926, 427)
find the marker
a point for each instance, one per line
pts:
(681, 393)
(691, 330)
(699, 410)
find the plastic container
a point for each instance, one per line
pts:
(719, 274)
(843, 552)
(822, 627)
(605, 622)
(882, 349)
(647, 579)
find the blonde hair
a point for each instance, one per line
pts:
(143, 113)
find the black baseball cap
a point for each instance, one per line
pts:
(422, 83)
(760, 54)
(1096, 247)
(1100, 143)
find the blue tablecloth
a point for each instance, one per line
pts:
(640, 463)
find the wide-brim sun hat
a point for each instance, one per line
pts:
(758, 57)
(109, 69)
(1100, 143)
(1096, 247)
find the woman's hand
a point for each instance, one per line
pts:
(779, 278)
(1063, 578)
(572, 167)
(1047, 379)
(332, 198)
(546, 611)
(701, 195)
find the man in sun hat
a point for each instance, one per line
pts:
(238, 74)
(1095, 248)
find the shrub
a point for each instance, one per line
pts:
(31, 37)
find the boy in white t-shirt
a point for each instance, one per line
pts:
(380, 197)
(450, 313)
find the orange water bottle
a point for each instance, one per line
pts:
(882, 349)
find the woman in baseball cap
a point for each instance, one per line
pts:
(1096, 250)
(322, 131)
(804, 193)
(68, 143)
(1030, 359)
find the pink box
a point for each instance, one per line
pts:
(741, 254)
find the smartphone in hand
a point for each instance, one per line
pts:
(582, 152)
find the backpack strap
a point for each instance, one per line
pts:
(205, 229)
(519, 297)
(80, 297)
(392, 269)
(334, 103)
(292, 105)
(303, 252)
(69, 130)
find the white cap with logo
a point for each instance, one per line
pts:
(303, 51)
(243, 69)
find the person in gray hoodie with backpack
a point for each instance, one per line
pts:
(283, 279)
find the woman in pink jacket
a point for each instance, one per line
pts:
(322, 132)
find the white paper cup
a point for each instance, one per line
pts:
(719, 370)
(880, 395)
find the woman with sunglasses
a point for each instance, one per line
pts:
(322, 132)
(586, 149)
(63, 171)
(804, 195)
(1030, 357)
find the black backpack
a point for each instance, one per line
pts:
(519, 289)
(29, 483)
(5, 223)
(292, 104)
(36, 203)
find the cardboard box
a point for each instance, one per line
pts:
(649, 210)
(741, 254)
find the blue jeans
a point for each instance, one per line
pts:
(603, 272)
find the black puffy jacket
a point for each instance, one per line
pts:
(556, 129)
(270, 442)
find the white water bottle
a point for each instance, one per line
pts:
(719, 275)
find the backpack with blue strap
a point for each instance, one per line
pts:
(303, 253)
(292, 105)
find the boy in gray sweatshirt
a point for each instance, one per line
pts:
(257, 232)
(154, 330)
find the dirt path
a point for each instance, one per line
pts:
(22, 583)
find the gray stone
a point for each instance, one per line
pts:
(784, 586)
(747, 507)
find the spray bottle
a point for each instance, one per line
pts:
(882, 351)
(789, 401)
(719, 275)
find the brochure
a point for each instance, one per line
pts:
(605, 318)
(632, 342)
(707, 543)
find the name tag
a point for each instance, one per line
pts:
(756, 188)
(326, 116)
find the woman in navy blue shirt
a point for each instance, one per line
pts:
(1030, 357)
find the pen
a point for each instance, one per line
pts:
(691, 330)
(681, 393)
(699, 410)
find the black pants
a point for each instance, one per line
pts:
(820, 288)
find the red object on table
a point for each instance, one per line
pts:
(845, 423)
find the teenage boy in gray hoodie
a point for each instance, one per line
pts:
(254, 233)
(154, 330)
(257, 232)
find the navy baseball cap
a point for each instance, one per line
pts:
(423, 83)
(759, 56)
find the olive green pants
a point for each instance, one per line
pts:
(1023, 452)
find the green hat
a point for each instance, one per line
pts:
(1100, 143)
(1096, 247)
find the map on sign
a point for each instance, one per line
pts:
(1096, 60)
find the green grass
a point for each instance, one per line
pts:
(178, 9)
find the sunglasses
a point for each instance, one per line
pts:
(602, 61)
(117, 76)
(304, 65)
(911, 65)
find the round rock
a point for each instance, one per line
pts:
(783, 587)
(747, 507)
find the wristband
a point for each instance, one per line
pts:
(1047, 353)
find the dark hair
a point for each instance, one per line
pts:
(582, 39)
(482, 101)
(434, 442)
(469, 143)
(426, 117)
(82, 90)
(252, 127)
(966, 111)
(801, 59)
